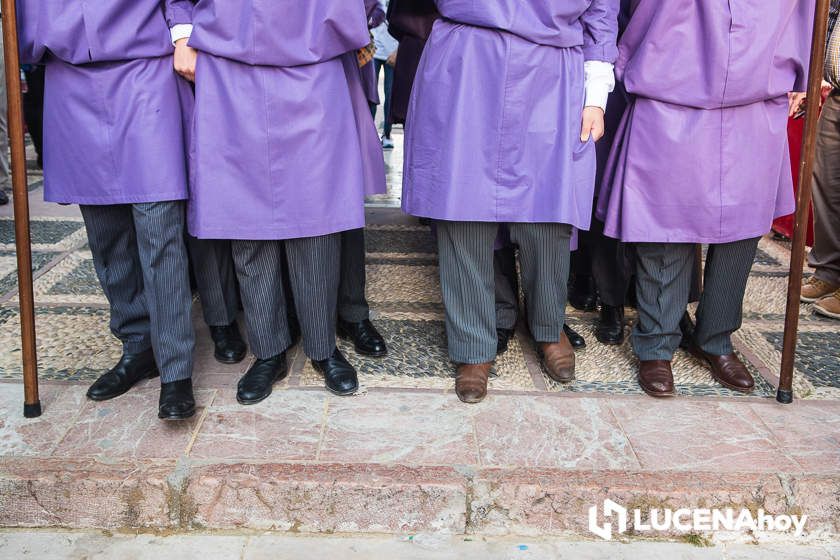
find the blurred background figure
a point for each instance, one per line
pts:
(384, 59)
(5, 173)
(823, 288)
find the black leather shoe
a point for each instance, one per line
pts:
(230, 348)
(176, 400)
(131, 369)
(582, 294)
(576, 340)
(610, 328)
(339, 376)
(503, 337)
(687, 329)
(256, 384)
(365, 337)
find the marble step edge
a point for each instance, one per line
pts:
(185, 495)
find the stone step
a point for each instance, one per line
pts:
(393, 461)
(366, 498)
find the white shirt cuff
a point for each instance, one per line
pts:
(599, 80)
(181, 31)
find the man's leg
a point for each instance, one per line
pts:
(507, 296)
(5, 170)
(465, 252)
(664, 276)
(258, 267)
(663, 282)
(165, 266)
(389, 88)
(720, 311)
(353, 309)
(113, 242)
(215, 278)
(314, 273)
(352, 303)
(467, 284)
(824, 258)
(612, 271)
(544, 258)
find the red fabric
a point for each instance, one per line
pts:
(784, 225)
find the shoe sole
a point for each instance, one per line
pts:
(280, 377)
(656, 394)
(826, 313)
(609, 342)
(150, 375)
(184, 416)
(804, 299)
(345, 336)
(229, 362)
(708, 364)
(333, 391)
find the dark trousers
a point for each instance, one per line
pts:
(215, 278)
(352, 304)
(507, 287)
(141, 261)
(33, 107)
(608, 261)
(389, 88)
(665, 273)
(468, 283)
(824, 258)
(313, 267)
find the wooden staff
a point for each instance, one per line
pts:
(20, 195)
(803, 203)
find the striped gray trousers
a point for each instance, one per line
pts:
(141, 261)
(215, 279)
(313, 266)
(468, 283)
(664, 275)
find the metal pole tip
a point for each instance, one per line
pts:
(784, 397)
(32, 410)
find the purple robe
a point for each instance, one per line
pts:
(376, 16)
(493, 131)
(702, 153)
(283, 145)
(114, 110)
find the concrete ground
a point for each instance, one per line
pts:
(78, 545)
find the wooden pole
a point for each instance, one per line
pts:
(20, 195)
(803, 203)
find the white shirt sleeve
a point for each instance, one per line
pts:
(599, 79)
(181, 31)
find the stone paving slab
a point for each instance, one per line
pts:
(77, 545)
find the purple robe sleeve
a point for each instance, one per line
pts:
(178, 12)
(31, 50)
(375, 13)
(600, 31)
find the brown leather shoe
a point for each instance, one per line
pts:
(471, 382)
(558, 359)
(656, 378)
(813, 289)
(727, 370)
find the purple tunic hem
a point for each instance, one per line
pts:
(108, 200)
(274, 233)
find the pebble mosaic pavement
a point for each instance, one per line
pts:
(75, 344)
